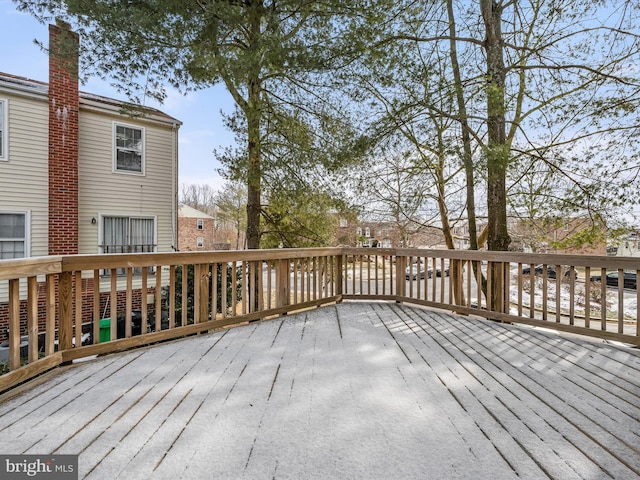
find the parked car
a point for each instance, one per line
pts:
(439, 272)
(415, 271)
(629, 280)
(551, 271)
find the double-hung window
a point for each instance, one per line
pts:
(200, 223)
(121, 234)
(4, 143)
(128, 148)
(13, 235)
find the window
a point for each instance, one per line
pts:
(129, 148)
(200, 242)
(343, 222)
(200, 224)
(3, 130)
(367, 232)
(128, 235)
(13, 235)
(358, 231)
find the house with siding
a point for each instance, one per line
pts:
(78, 174)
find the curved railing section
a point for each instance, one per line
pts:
(57, 309)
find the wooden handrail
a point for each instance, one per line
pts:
(182, 293)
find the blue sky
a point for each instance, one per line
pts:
(202, 128)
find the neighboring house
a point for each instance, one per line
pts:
(563, 235)
(385, 235)
(196, 230)
(626, 246)
(77, 174)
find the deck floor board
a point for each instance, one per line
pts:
(356, 390)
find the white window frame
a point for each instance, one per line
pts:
(200, 242)
(4, 130)
(200, 224)
(367, 232)
(101, 240)
(27, 230)
(115, 148)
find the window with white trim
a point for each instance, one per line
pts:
(128, 148)
(13, 235)
(4, 154)
(200, 224)
(121, 234)
(200, 242)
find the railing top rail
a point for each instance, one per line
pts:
(21, 268)
(29, 267)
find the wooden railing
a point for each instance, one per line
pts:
(61, 308)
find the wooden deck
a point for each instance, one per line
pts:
(356, 390)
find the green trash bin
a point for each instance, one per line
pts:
(105, 330)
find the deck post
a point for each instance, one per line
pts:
(203, 294)
(65, 319)
(282, 282)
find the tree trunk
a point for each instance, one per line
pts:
(467, 157)
(497, 150)
(253, 107)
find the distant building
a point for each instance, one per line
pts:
(196, 230)
(626, 246)
(386, 235)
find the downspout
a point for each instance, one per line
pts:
(174, 173)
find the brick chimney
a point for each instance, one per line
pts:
(63, 139)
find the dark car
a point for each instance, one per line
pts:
(629, 280)
(414, 271)
(551, 271)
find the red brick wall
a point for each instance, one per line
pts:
(188, 234)
(63, 140)
(87, 307)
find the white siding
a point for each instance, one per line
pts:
(102, 191)
(24, 177)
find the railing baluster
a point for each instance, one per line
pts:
(214, 290)
(128, 308)
(158, 297)
(621, 300)
(14, 324)
(572, 296)
(171, 314)
(603, 302)
(32, 318)
(587, 297)
(113, 304)
(50, 293)
(144, 291)
(95, 331)
(184, 295)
